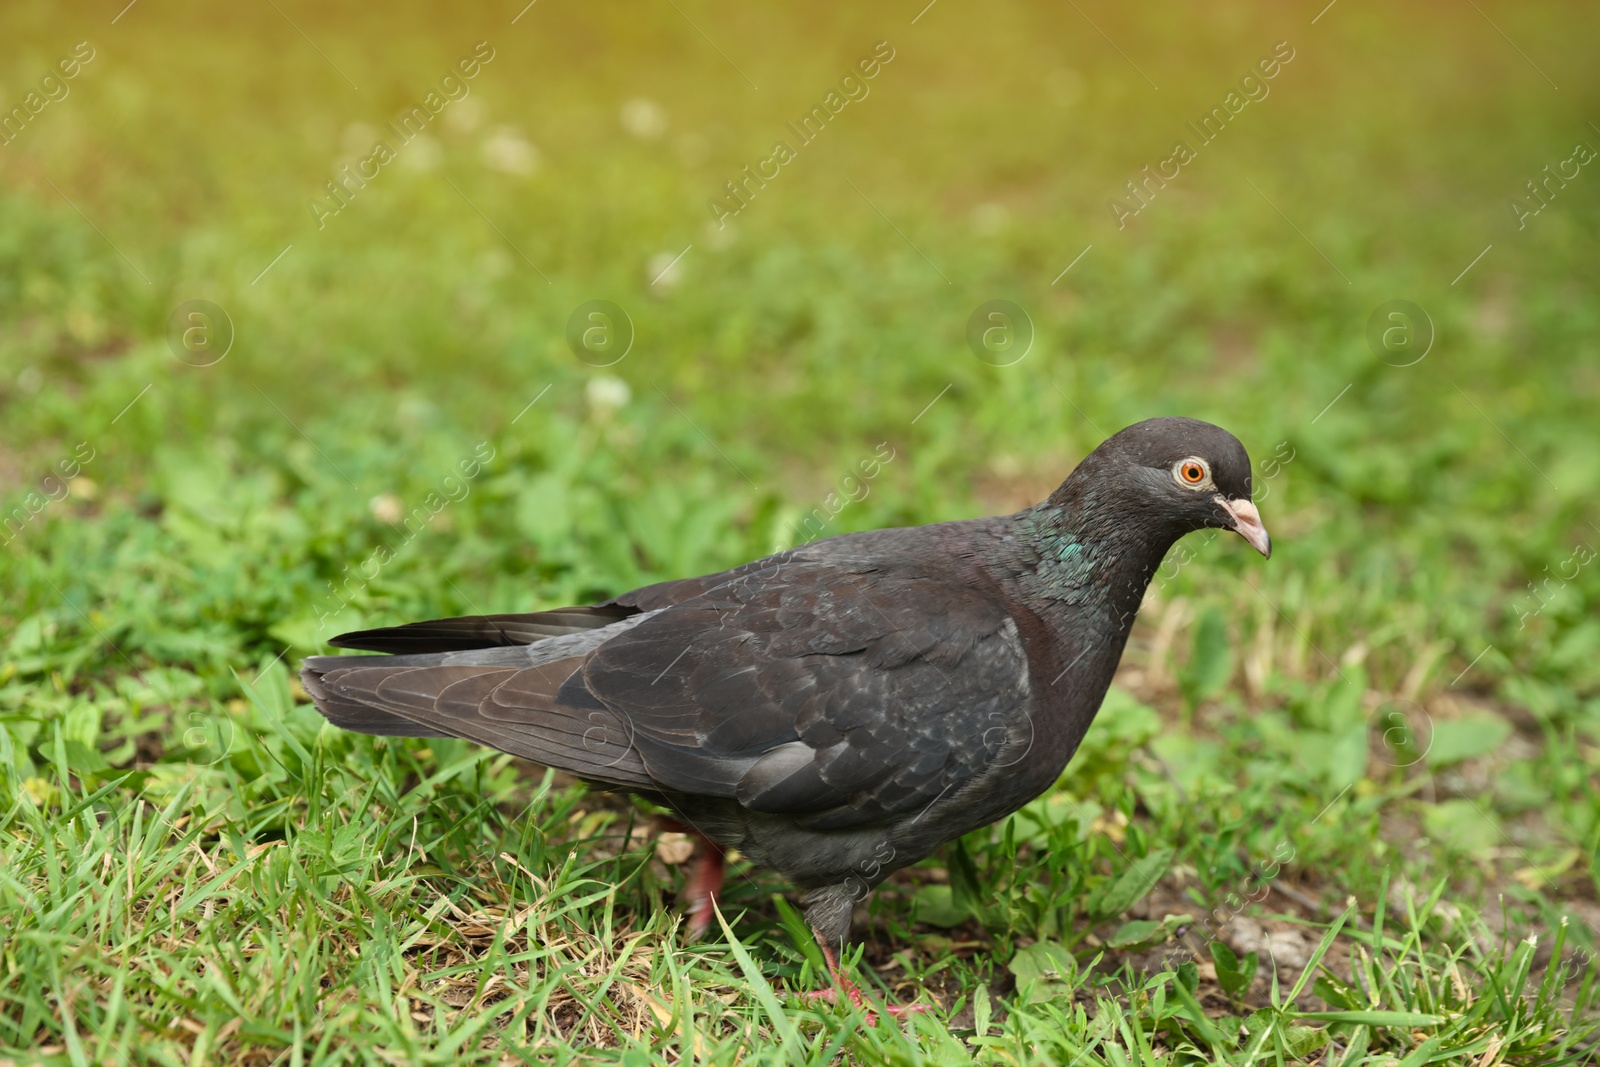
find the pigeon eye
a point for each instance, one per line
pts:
(1192, 471)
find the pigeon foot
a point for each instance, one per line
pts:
(852, 992)
(700, 892)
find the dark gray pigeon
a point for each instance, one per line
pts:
(839, 710)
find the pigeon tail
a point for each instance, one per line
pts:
(524, 694)
(362, 718)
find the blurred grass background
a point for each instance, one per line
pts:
(1411, 506)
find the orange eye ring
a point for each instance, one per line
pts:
(1192, 472)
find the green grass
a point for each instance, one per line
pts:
(1341, 806)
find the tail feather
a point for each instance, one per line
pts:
(529, 701)
(361, 718)
(482, 631)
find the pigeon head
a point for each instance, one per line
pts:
(1177, 475)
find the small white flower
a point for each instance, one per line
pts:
(508, 150)
(386, 507)
(989, 218)
(421, 153)
(464, 116)
(606, 394)
(644, 118)
(664, 271)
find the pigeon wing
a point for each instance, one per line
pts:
(841, 693)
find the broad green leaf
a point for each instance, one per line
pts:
(1131, 886)
(83, 759)
(1043, 970)
(1454, 740)
(1135, 932)
(1138, 933)
(935, 905)
(1334, 992)
(1233, 974)
(82, 724)
(1189, 976)
(1301, 1041)
(1337, 759)
(1461, 824)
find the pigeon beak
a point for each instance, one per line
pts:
(1247, 524)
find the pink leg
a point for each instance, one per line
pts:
(704, 886)
(844, 983)
(705, 879)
